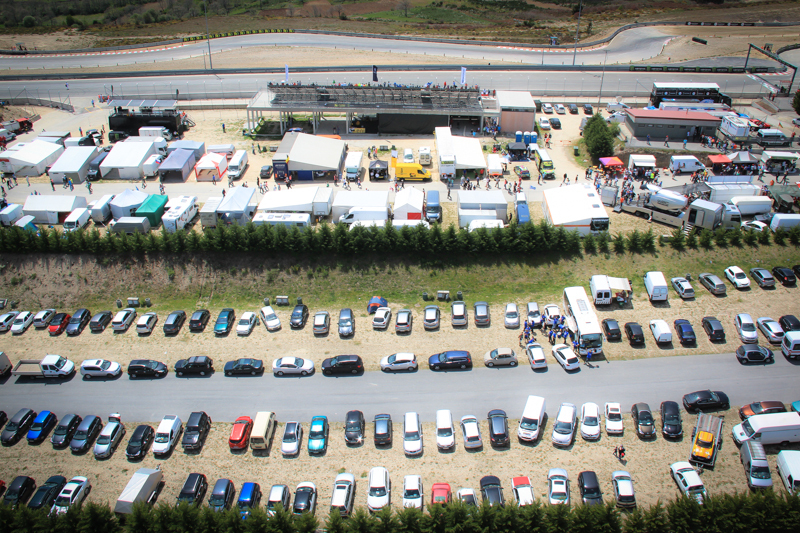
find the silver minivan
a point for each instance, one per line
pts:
(756, 466)
(347, 324)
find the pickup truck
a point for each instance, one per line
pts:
(706, 440)
(52, 366)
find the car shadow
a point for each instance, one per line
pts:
(207, 375)
(475, 450)
(46, 381)
(350, 375)
(256, 375)
(289, 376)
(102, 378)
(5, 378)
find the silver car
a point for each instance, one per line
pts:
(109, 438)
(430, 318)
(771, 329)
(404, 321)
(459, 314)
(712, 283)
(471, 431)
(512, 316)
(746, 328)
(322, 321)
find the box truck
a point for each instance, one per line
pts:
(734, 128)
(352, 165)
(752, 205)
(144, 486)
(656, 285)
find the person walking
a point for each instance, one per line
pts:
(588, 358)
(648, 139)
(223, 193)
(666, 141)
(684, 143)
(213, 178)
(53, 184)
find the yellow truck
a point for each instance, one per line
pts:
(411, 172)
(706, 440)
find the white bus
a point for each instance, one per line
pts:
(582, 320)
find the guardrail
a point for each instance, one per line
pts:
(43, 102)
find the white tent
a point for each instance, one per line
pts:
(73, 164)
(495, 165)
(211, 164)
(469, 153)
(300, 199)
(126, 160)
(408, 204)
(576, 208)
(310, 152)
(127, 202)
(34, 158)
(236, 207)
(52, 208)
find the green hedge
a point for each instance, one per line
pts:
(746, 512)
(235, 33)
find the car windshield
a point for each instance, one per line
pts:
(104, 439)
(740, 275)
(760, 472)
(353, 425)
(344, 322)
(565, 428)
(412, 435)
(105, 365)
(20, 320)
(136, 440)
(290, 436)
(81, 434)
(244, 322)
(62, 500)
(572, 361)
(411, 494)
(672, 418)
(591, 421)
(222, 318)
(271, 317)
(317, 432)
(559, 495)
(244, 504)
(377, 491)
(626, 498)
(748, 326)
(613, 415)
(60, 430)
(529, 424)
(444, 432)
(297, 313)
(171, 319)
(392, 358)
(645, 418)
(512, 314)
(591, 491)
(76, 319)
(747, 428)
(61, 362)
(162, 438)
(216, 500)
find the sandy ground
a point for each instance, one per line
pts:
(721, 41)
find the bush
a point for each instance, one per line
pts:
(750, 237)
(678, 240)
(29, 22)
(706, 238)
(735, 237)
(764, 237)
(691, 240)
(619, 243)
(721, 237)
(779, 236)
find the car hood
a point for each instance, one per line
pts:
(180, 364)
(723, 398)
(352, 436)
(191, 438)
(316, 444)
(6, 435)
(56, 439)
(346, 329)
(673, 429)
(646, 430)
(133, 450)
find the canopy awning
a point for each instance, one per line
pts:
(611, 161)
(719, 159)
(741, 158)
(378, 164)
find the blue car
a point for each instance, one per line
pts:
(41, 426)
(249, 499)
(318, 435)
(224, 321)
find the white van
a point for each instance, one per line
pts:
(425, 155)
(238, 164)
(445, 432)
(101, 210)
(412, 434)
(784, 220)
(263, 429)
(656, 286)
(77, 219)
(532, 420)
(365, 213)
(408, 155)
(756, 466)
(685, 163)
(617, 106)
(661, 331)
(771, 137)
(769, 429)
(788, 464)
(790, 345)
(601, 290)
(167, 435)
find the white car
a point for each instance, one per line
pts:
(382, 318)
(167, 434)
(43, 318)
(344, 492)
(560, 109)
(292, 438)
(547, 108)
(292, 365)
(467, 496)
(566, 357)
(21, 323)
(771, 329)
(270, 319)
(100, 368)
(536, 356)
(746, 328)
(7, 319)
(73, 493)
(614, 425)
(590, 421)
(412, 492)
(146, 323)
(247, 322)
(123, 320)
(534, 315)
(617, 118)
(737, 276)
(445, 432)
(412, 435)
(399, 361)
(544, 123)
(549, 311)
(754, 225)
(471, 431)
(379, 489)
(688, 481)
(522, 490)
(564, 427)
(683, 288)
(622, 483)
(661, 331)
(512, 316)
(558, 486)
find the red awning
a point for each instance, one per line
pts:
(719, 159)
(611, 162)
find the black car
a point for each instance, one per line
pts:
(342, 364)
(354, 427)
(784, 275)
(299, 316)
(194, 490)
(643, 420)
(65, 430)
(589, 487)
(87, 431)
(754, 354)
(19, 491)
(555, 123)
(197, 428)
(685, 331)
(573, 109)
(611, 329)
(199, 364)
(451, 359)
(492, 491)
(383, 430)
(634, 332)
(587, 109)
(713, 329)
(146, 368)
(47, 493)
(244, 366)
(174, 322)
(140, 442)
(222, 495)
(671, 424)
(224, 321)
(78, 322)
(266, 172)
(17, 426)
(305, 499)
(199, 320)
(100, 321)
(3, 418)
(789, 323)
(498, 427)
(705, 400)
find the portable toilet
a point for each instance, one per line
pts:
(518, 137)
(527, 137)
(534, 138)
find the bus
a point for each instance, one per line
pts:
(687, 92)
(583, 321)
(543, 162)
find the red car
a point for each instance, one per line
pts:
(240, 434)
(441, 494)
(59, 323)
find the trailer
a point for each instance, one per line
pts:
(467, 216)
(155, 131)
(5, 365)
(52, 366)
(723, 192)
(10, 214)
(734, 128)
(315, 201)
(346, 200)
(33, 158)
(495, 165)
(208, 213)
(301, 220)
(575, 208)
(144, 486)
(706, 440)
(179, 212)
(752, 205)
(177, 166)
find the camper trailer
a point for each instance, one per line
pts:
(180, 211)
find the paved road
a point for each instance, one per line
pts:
(474, 392)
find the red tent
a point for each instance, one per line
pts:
(719, 159)
(611, 162)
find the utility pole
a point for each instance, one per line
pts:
(577, 32)
(208, 39)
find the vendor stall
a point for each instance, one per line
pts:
(378, 170)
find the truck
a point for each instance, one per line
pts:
(20, 125)
(155, 131)
(706, 439)
(722, 192)
(6, 135)
(352, 165)
(425, 155)
(734, 128)
(52, 366)
(208, 213)
(752, 205)
(670, 208)
(144, 486)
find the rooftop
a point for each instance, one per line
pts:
(694, 116)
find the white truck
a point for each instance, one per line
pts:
(144, 486)
(425, 155)
(5, 364)
(155, 131)
(352, 165)
(52, 366)
(734, 128)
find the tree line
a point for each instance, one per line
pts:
(762, 511)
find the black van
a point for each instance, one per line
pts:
(590, 488)
(197, 428)
(194, 490)
(221, 495)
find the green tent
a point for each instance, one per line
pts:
(153, 209)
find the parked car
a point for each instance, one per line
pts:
(413, 496)
(299, 316)
(737, 277)
(109, 438)
(685, 331)
(624, 494)
(500, 357)
(536, 356)
(278, 494)
(492, 491)
(194, 489)
(566, 357)
(660, 330)
(17, 426)
(379, 489)
(404, 321)
(244, 366)
(199, 364)
(771, 329)
(688, 481)
(292, 438)
(347, 323)
(73, 493)
(168, 432)
(43, 318)
(558, 486)
(65, 430)
(611, 329)
(100, 368)
(683, 287)
(100, 321)
(305, 498)
(87, 432)
(784, 275)
(467, 496)
(643, 420)
(746, 328)
(240, 433)
(712, 283)
(754, 225)
(671, 424)
(318, 435)
(145, 368)
(452, 359)
(589, 487)
(590, 421)
(146, 323)
(430, 317)
(292, 366)
(383, 429)
(761, 408)
(547, 108)
(174, 322)
(533, 314)
(46, 494)
(382, 318)
(763, 277)
(41, 426)
(197, 428)
(249, 499)
(441, 494)
(614, 424)
(342, 364)
(224, 321)
(564, 426)
(789, 323)
(522, 490)
(498, 428)
(270, 319)
(322, 323)
(482, 315)
(634, 332)
(140, 441)
(123, 319)
(522, 172)
(354, 427)
(222, 495)
(57, 325)
(560, 109)
(511, 316)
(21, 323)
(344, 491)
(573, 109)
(399, 361)
(754, 354)
(199, 320)
(472, 432)
(713, 329)
(705, 400)
(587, 109)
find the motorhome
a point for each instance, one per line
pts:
(582, 320)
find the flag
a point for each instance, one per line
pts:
(287, 73)
(374, 73)
(463, 75)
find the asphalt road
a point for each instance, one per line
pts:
(466, 392)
